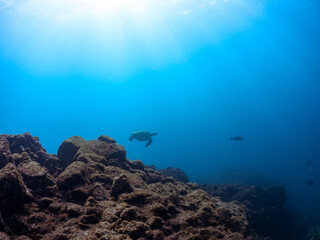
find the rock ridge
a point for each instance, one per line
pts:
(90, 190)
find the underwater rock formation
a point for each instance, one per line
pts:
(265, 208)
(89, 190)
(310, 228)
(176, 173)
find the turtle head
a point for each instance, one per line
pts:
(131, 138)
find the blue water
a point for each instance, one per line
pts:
(196, 72)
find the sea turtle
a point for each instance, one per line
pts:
(142, 136)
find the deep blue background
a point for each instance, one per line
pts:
(261, 82)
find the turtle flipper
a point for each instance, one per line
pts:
(149, 142)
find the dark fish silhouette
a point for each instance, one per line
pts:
(237, 138)
(309, 182)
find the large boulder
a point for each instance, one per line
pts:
(176, 173)
(4, 151)
(68, 149)
(23, 142)
(37, 178)
(24, 147)
(13, 191)
(108, 153)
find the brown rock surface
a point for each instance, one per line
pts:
(176, 173)
(265, 208)
(91, 191)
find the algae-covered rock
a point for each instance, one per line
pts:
(13, 191)
(121, 185)
(24, 147)
(37, 178)
(4, 151)
(76, 174)
(106, 139)
(68, 149)
(91, 191)
(23, 143)
(176, 173)
(2, 224)
(22, 237)
(4, 236)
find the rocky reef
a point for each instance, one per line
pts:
(176, 173)
(266, 213)
(89, 190)
(265, 208)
